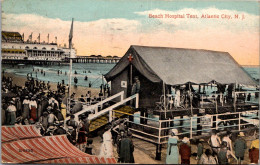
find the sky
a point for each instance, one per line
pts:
(110, 27)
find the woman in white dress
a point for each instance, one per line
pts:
(106, 149)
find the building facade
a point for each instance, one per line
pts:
(15, 48)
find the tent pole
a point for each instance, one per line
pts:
(235, 97)
(131, 74)
(191, 108)
(164, 99)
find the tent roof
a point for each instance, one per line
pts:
(19, 132)
(80, 160)
(178, 66)
(36, 148)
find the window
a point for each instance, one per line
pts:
(35, 48)
(27, 47)
(43, 48)
(52, 49)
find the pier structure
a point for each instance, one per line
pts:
(96, 59)
(16, 50)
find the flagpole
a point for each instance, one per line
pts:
(70, 71)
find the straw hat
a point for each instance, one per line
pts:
(51, 128)
(241, 134)
(185, 140)
(175, 131)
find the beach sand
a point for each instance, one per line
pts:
(79, 90)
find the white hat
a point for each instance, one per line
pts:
(185, 140)
(241, 134)
(175, 131)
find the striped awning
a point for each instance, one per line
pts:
(46, 150)
(80, 160)
(11, 133)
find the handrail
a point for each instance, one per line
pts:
(99, 103)
(191, 131)
(113, 106)
(237, 92)
(217, 127)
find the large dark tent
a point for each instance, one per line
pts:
(172, 66)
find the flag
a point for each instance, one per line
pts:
(56, 39)
(48, 37)
(30, 37)
(71, 35)
(39, 37)
(23, 36)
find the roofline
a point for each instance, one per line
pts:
(178, 48)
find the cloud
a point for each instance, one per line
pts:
(95, 37)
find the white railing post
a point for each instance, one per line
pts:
(96, 109)
(239, 121)
(110, 115)
(137, 101)
(159, 138)
(191, 127)
(122, 96)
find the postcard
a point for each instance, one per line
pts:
(120, 81)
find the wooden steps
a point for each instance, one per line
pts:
(103, 120)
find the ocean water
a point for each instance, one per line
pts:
(94, 72)
(253, 71)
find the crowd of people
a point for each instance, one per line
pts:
(37, 104)
(215, 151)
(223, 94)
(28, 104)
